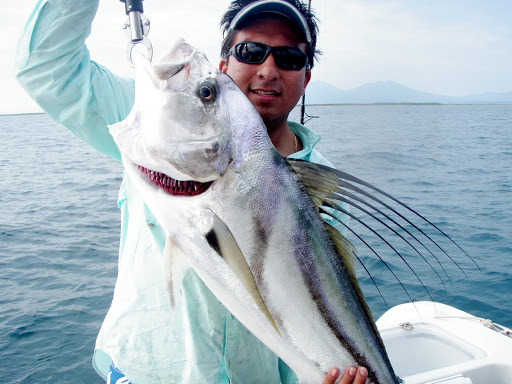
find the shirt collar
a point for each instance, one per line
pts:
(308, 138)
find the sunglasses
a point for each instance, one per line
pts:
(250, 52)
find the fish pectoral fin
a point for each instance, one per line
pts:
(222, 241)
(171, 256)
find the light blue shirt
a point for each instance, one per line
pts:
(198, 341)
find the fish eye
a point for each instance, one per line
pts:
(207, 91)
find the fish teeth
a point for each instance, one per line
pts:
(173, 186)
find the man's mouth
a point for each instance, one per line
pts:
(265, 93)
(172, 186)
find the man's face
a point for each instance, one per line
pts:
(272, 90)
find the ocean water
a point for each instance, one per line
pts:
(59, 223)
(452, 163)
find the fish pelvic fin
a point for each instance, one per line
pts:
(221, 240)
(169, 255)
(173, 268)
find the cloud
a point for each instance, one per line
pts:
(410, 43)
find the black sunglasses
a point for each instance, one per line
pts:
(250, 52)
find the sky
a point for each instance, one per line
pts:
(448, 47)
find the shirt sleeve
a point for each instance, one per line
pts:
(286, 373)
(54, 66)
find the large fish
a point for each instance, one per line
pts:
(239, 214)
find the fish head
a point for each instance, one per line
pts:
(178, 126)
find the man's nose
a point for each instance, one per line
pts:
(268, 70)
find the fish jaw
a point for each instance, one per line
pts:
(172, 186)
(171, 128)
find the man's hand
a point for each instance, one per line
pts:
(351, 375)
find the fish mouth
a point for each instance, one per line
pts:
(172, 186)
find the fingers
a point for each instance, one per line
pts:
(331, 376)
(351, 375)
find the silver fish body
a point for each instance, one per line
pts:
(235, 211)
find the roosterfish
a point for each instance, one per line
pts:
(250, 222)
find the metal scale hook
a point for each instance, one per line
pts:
(136, 29)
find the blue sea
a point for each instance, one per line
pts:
(59, 222)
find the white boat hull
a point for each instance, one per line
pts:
(434, 343)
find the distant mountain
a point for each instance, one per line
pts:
(319, 92)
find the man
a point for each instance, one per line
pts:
(199, 341)
(273, 89)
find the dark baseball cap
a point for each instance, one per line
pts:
(278, 7)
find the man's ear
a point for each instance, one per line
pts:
(223, 65)
(307, 77)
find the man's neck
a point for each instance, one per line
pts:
(283, 139)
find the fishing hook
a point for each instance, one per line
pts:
(136, 29)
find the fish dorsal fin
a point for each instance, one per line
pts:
(320, 182)
(345, 249)
(222, 241)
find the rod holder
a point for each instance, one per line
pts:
(134, 9)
